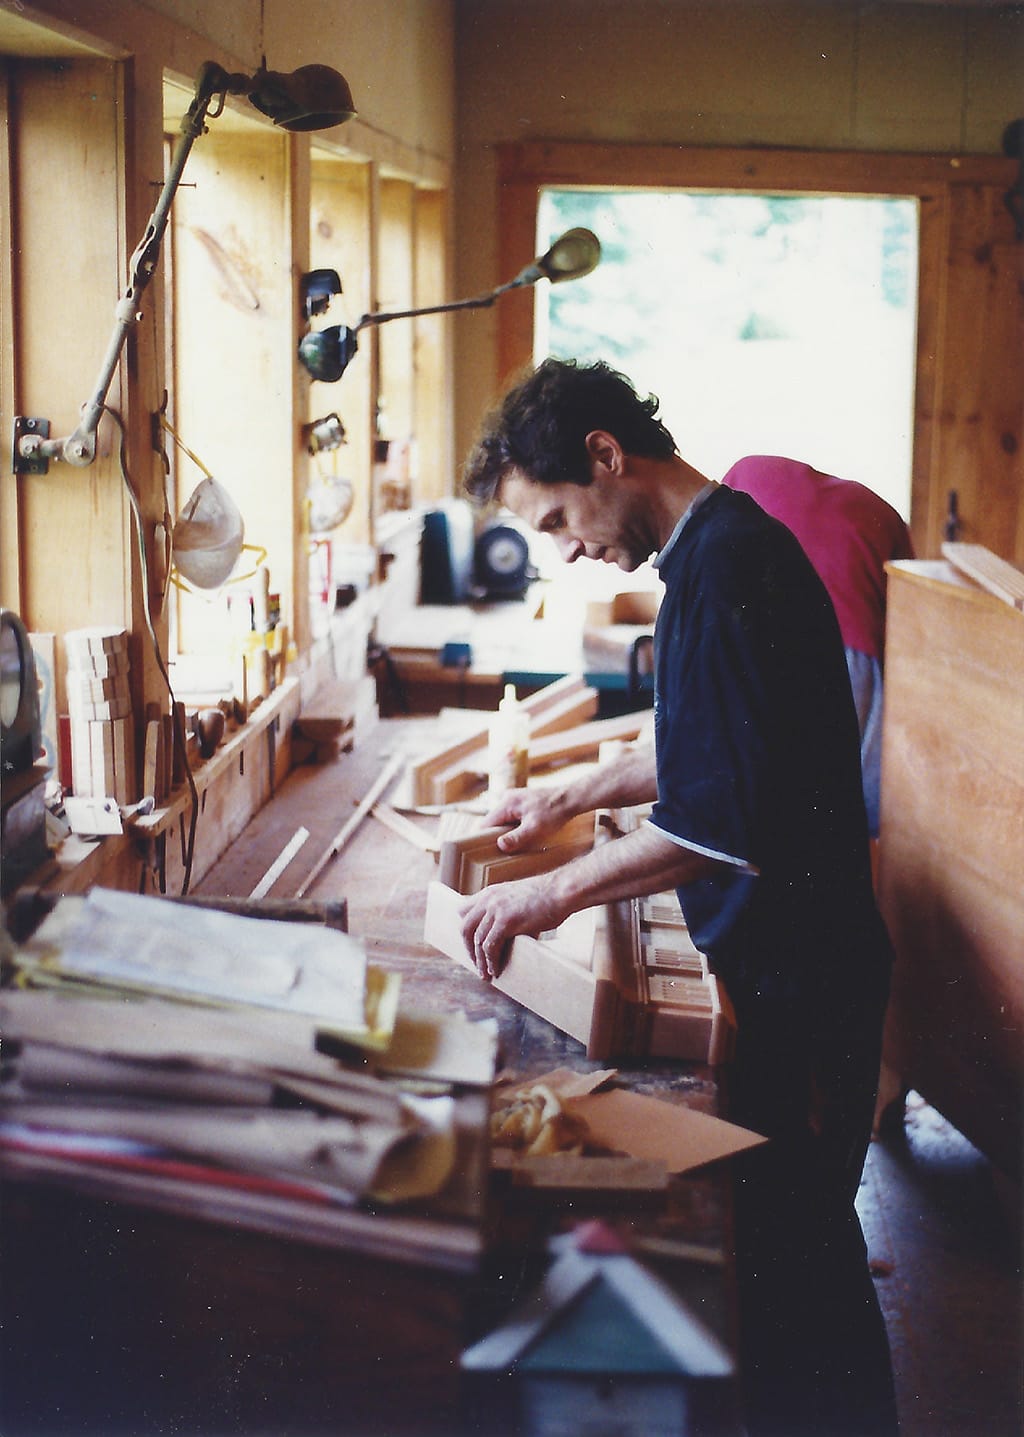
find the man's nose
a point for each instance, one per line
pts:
(570, 549)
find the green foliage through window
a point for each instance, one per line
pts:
(765, 323)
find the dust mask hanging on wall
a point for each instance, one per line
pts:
(208, 535)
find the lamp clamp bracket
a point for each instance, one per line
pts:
(33, 448)
(28, 456)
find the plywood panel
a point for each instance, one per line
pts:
(234, 302)
(74, 523)
(432, 352)
(395, 292)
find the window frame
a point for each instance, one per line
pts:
(937, 182)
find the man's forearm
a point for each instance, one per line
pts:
(640, 863)
(633, 866)
(631, 779)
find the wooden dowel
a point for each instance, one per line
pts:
(280, 863)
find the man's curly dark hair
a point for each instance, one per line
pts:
(541, 425)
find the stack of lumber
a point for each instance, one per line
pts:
(99, 705)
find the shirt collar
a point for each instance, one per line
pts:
(703, 493)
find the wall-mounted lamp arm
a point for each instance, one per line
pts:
(313, 97)
(481, 302)
(573, 255)
(79, 448)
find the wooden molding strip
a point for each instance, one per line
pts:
(999, 577)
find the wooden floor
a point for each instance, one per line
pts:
(944, 1238)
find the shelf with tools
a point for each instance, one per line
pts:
(230, 786)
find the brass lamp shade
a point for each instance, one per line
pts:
(572, 255)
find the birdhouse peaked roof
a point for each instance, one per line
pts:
(646, 1327)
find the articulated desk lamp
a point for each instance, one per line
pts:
(314, 97)
(327, 353)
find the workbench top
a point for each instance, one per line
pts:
(383, 876)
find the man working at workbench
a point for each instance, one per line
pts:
(759, 824)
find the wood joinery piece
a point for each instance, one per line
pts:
(471, 860)
(624, 979)
(455, 771)
(551, 976)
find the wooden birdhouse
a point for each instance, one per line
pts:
(602, 1347)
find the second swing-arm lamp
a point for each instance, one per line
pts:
(327, 353)
(314, 97)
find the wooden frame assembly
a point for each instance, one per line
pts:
(625, 979)
(452, 772)
(562, 731)
(470, 859)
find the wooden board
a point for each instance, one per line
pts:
(585, 740)
(1003, 580)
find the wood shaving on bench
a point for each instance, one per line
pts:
(534, 1122)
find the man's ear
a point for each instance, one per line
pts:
(605, 450)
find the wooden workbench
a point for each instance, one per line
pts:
(255, 1333)
(383, 878)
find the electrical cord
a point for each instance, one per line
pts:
(177, 715)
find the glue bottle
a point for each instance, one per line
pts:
(507, 745)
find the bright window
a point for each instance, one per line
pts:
(765, 324)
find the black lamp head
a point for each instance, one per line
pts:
(313, 97)
(318, 288)
(327, 353)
